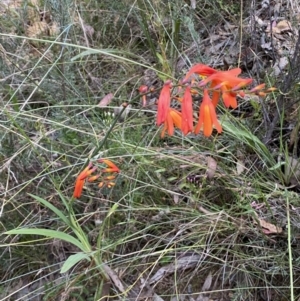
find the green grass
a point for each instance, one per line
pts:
(111, 241)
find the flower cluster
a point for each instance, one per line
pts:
(216, 85)
(107, 176)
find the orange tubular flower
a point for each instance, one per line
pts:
(173, 118)
(207, 117)
(164, 103)
(111, 166)
(81, 179)
(187, 112)
(228, 84)
(86, 172)
(78, 188)
(258, 88)
(200, 69)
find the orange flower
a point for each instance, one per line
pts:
(93, 178)
(187, 112)
(173, 118)
(258, 88)
(111, 166)
(164, 103)
(261, 91)
(207, 117)
(78, 188)
(229, 84)
(200, 69)
(86, 175)
(81, 179)
(107, 182)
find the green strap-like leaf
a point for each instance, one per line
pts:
(72, 260)
(59, 213)
(51, 234)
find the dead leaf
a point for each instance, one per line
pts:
(37, 29)
(176, 198)
(269, 228)
(125, 112)
(240, 167)
(89, 30)
(105, 101)
(280, 65)
(207, 283)
(54, 29)
(114, 277)
(280, 27)
(284, 25)
(211, 167)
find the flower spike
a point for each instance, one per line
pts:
(81, 179)
(86, 175)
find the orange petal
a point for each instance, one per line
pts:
(187, 112)
(93, 178)
(214, 118)
(87, 171)
(176, 118)
(163, 132)
(164, 103)
(234, 71)
(109, 178)
(215, 98)
(242, 93)
(78, 188)
(207, 117)
(259, 87)
(170, 125)
(200, 69)
(243, 83)
(173, 118)
(207, 125)
(229, 99)
(203, 121)
(111, 166)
